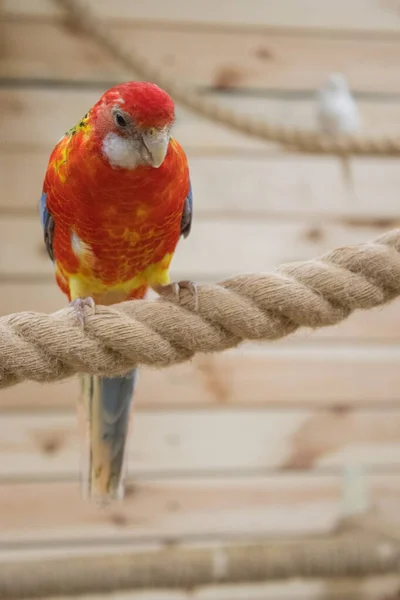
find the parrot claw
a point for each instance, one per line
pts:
(176, 287)
(79, 305)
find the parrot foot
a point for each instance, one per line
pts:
(79, 305)
(176, 287)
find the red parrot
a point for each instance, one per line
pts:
(116, 199)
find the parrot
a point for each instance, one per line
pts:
(337, 113)
(116, 199)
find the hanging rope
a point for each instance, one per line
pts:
(296, 138)
(159, 333)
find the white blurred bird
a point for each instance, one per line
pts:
(337, 113)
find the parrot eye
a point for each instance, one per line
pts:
(120, 120)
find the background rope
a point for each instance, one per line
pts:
(296, 138)
(159, 333)
(346, 554)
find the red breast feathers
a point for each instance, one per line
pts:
(117, 181)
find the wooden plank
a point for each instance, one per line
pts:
(359, 15)
(368, 588)
(247, 187)
(22, 57)
(196, 441)
(239, 58)
(38, 117)
(181, 509)
(216, 248)
(244, 186)
(281, 376)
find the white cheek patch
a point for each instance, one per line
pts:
(120, 151)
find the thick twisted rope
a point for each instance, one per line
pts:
(294, 137)
(159, 333)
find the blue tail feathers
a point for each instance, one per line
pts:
(109, 404)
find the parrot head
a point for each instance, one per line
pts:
(336, 82)
(132, 123)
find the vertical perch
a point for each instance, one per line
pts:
(355, 492)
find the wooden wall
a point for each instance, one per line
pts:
(253, 441)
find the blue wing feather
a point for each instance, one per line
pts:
(47, 224)
(43, 209)
(187, 215)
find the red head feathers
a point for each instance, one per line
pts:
(131, 124)
(148, 104)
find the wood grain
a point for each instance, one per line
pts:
(177, 509)
(279, 376)
(230, 58)
(194, 441)
(357, 16)
(215, 249)
(300, 410)
(38, 117)
(227, 186)
(247, 187)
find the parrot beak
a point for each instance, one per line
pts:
(157, 145)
